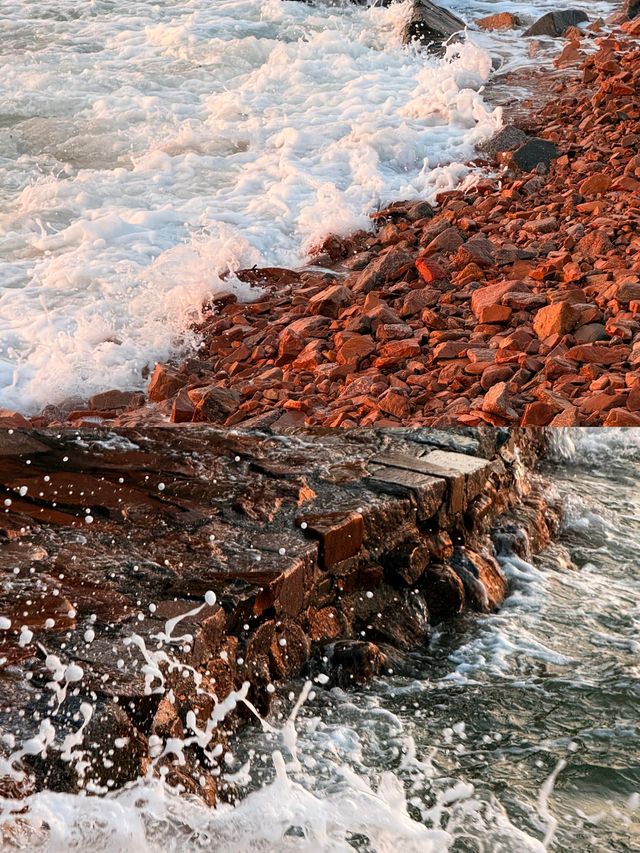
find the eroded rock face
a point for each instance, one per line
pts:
(274, 555)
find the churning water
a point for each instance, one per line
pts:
(148, 147)
(517, 731)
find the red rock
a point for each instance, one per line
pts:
(622, 418)
(595, 244)
(330, 302)
(477, 251)
(633, 400)
(559, 318)
(113, 400)
(538, 414)
(493, 293)
(449, 349)
(10, 419)
(399, 350)
(164, 383)
(494, 374)
(448, 241)
(393, 332)
(355, 349)
(418, 300)
(595, 184)
(496, 402)
(430, 271)
(602, 402)
(628, 291)
(183, 408)
(295, 336)
(385, 268)
(395, 404)
(499, 21)
(567, 418)
(213, 403)
(597, 354)
(494, 314)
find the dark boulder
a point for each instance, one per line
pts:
(555, 23)
(431, 25)
(533, 152)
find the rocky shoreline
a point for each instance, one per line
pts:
(325, 554)
(515, 302)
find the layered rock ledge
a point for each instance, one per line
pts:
(325, 554)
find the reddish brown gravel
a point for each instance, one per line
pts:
(515, 302)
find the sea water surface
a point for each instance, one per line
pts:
(516, 731)
(146, 148)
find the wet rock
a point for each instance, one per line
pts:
(352, 662)
(407, 562)
(499, 21)
(113, 400)
(555, 23)
(484, 583)
(431, 25)
(339, 534)
(386, 268)
(213, 403)
(164, 383)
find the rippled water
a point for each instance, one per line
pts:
(147, 147)
(516, 731)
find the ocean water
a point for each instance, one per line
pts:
(516, 731)
(147, 148)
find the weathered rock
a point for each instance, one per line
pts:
(534, 152)
(499, 21)
(431, 25)
(555, 23)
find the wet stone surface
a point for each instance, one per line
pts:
(288, 552)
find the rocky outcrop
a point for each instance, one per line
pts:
(321, 553)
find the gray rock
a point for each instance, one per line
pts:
(507, 139)
(555, 23)
(533, 152)
(431, 25)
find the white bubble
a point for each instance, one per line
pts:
(210, 598)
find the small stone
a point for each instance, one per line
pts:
(595, 184)
(331, 301)
(559, 318)
(499, 21)
(496, 402)
(164, 383)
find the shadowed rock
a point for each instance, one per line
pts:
(555, 23)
